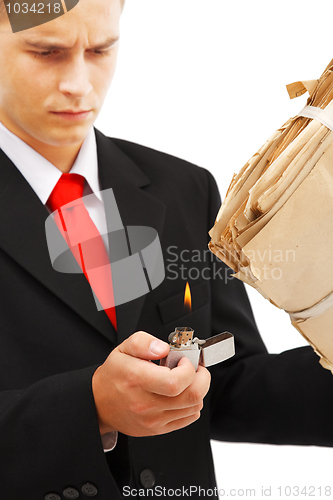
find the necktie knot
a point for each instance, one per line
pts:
(68, 189)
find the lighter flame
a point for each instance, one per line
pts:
(187, 298)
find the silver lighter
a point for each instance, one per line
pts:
(206, 352)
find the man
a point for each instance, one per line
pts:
(84, 411)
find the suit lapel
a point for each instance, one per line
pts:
(22, 232)
(136, 207)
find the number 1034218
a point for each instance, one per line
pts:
(304, 491)
(35, 8)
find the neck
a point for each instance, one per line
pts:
(62, 157)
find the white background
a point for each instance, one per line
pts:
(205, 80)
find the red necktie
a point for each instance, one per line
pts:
(83, 238)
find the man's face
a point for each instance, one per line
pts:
(50, 73)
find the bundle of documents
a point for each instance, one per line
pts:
(275, 226)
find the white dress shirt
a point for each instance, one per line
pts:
(42, 176)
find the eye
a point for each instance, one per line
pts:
(103, 52)
(45, 54)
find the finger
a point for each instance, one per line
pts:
(150, 378)
(191, 396)
(174, 415)
(157, 422)
(142, 345)
(199, 388)
(162, 381)
(181, 423)
(203, 378)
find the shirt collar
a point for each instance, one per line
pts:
(41, 174)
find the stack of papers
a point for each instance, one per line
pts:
(275, 226)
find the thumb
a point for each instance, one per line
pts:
(144, 346)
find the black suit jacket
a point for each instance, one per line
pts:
(53, 338)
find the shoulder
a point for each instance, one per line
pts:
(149, 159)
(165, 171)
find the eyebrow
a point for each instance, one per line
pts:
(50, 45)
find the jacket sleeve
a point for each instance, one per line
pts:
(258, 397)
(50, 441)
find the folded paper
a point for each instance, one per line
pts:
(275, 225)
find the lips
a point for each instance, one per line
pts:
(74, 115)
(73, 112)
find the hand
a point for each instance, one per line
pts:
(139, 398)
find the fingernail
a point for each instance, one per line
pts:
(157, 347)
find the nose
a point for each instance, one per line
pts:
(75, 78)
